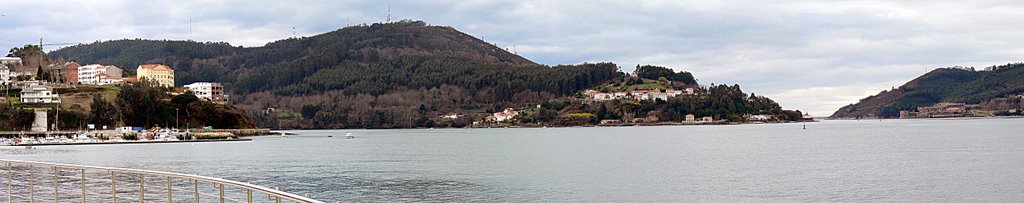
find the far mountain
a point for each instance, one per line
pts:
(955, 84)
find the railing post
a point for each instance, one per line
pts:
(169, 192)
(196, 186)
(31, 186)
(277, 198)
(248, 194)
(113, 187)
(142, 188)
(221, 186)
(83, 185)
(9, 182)
(56, 185)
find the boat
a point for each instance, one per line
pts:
(284, 134)
(349, 136)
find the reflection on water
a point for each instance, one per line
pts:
(892, 160)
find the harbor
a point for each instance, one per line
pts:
(17, 138)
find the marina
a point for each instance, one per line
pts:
(113, 137)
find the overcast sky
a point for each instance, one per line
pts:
(814, 56)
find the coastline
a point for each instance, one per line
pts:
(132, 142)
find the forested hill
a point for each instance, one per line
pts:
(956, 84)
(375, 76)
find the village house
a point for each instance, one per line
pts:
(105, 79)
(162, 74)
(71, 72)
(759, 117)
(503, 116)
(39, 94)
(451, 116)
(655, 94)
(601, 96)
(707, 119)
(210, 91)
(690, 118)
(5, 75)
(808, 117)
(637, 94)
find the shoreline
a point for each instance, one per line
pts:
(131, 142)
(943, 118)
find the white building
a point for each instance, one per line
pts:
(39, 94)
(210, 91)
(506, 115)
(96, 74)
(5, 75)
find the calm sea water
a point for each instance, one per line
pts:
(871, 160)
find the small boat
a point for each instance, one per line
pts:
(349, 136)
(284, 134)
(330, 136)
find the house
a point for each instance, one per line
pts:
(707, 119)
(5, 75)
(506, 115)
(71, 72)
(656, 94)
(808, 117)
(759, 117)
(105, 79)
(451, 116)
(96, 74)
(691, 118)
(39, 94)
(162, 74)
(211, 91)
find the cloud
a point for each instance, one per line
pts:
(810, 55)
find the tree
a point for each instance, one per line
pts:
(103, 112)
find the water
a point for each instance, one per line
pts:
(972, 160)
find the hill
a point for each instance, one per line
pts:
(384, 75)
(955, 84)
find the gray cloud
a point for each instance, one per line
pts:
(809, 55)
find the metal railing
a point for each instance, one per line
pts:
(29, 181)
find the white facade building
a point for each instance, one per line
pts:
(214, 92)
(96, 74)
(5, 75)
(39, 94)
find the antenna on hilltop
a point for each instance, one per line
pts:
(189, 28)
(389, 11)
(293, 33)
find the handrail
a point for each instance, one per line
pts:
(277, 193)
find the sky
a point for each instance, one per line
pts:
(814, 56)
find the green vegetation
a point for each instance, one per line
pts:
(146, 104)
(956, 84)
(656, 72)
